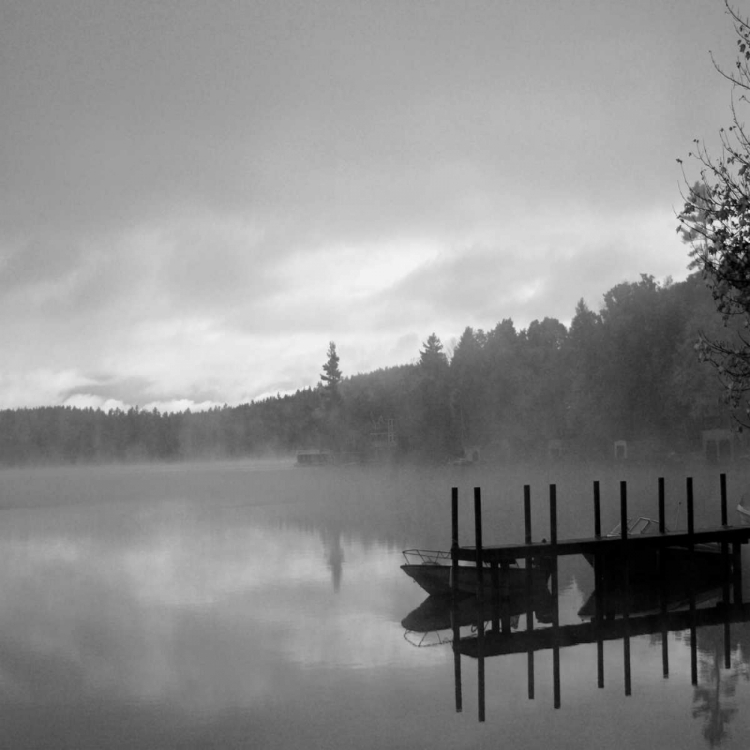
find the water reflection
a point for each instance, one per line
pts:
(178, 609)
(221, 607)
(437, 613)
(713, 698)
(706, 611)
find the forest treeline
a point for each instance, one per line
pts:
(628, 371)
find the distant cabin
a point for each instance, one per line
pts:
(314, 458)
(718, 445)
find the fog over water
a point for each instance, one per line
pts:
(255, 604)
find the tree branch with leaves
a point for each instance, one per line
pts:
(715, 220)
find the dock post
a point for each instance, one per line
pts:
(527, 513)
(663, 584)
(454, 600)
(529, 589)
(626, 583)
(598, 588)
(662, 511)
(454, 541)
(478, 544)
(480, 600)
(480, 669)
(527, 538)
(599, 583)
(723, 485)
(691, 543)
(555, 597)
(624, 533)
(597, 511)
(553, 513)
(553, 543)
(691, 583)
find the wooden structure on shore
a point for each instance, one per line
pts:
(599, 549)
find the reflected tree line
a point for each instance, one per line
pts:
(714, 698)
(627, 372)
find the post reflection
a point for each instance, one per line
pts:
(705, 607)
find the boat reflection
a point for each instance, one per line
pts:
(705, 606)
(612, 598)
(434, 621)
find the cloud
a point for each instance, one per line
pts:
(196, 199)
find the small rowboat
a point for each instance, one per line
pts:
(432, 570)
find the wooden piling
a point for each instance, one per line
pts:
(454, 601)
(454, 543)
(480, 601)
(723, 488)
(529, 601)
(663, 584)
(530, 672)
(555, 596)
(624, 538)
(691, 543)
(527, 513)
(626, 586)
(553, 513)
(662, 511)
(478, 541)
(597, 511)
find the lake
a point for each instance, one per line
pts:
(255, 604)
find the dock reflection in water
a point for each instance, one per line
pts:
(705, 607)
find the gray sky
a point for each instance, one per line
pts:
(196, 197)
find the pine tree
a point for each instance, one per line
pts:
(331, 376)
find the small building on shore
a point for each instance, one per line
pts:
(314, 458)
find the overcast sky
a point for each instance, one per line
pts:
(196, 197)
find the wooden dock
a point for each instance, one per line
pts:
(623, 550)
(598, 547)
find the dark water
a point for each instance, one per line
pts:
(255, 605)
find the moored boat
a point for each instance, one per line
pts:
(432, 570)
(744, 514)
(647, 562)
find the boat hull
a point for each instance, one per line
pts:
(439, 613)
(436, 579)
(644, 565)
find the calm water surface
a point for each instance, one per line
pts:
(255, 605)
